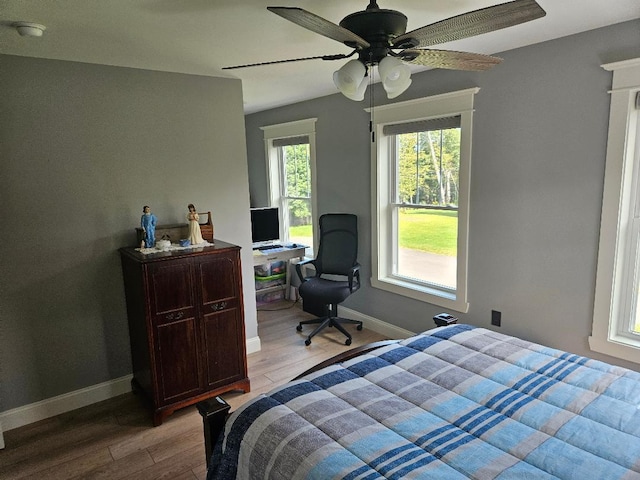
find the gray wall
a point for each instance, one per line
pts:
(82, 149)
(539, 141)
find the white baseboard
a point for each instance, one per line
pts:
(253, 345)
(51, 407)
(21, 416)
(383, 328)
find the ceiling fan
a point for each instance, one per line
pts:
(378, 36)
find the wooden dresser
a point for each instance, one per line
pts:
(186, 324)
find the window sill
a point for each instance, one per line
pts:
(624, 348)
(424, 294)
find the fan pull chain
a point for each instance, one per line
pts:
(371, 102)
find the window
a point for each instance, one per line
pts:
(616, 316)
(422, 164)
(290, 149)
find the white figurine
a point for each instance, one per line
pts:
(195, 235)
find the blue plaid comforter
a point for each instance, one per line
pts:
(452, 403)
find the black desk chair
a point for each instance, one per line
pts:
(337, 255)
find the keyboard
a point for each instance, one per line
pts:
(268, 247)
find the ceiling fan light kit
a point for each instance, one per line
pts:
(379, 38)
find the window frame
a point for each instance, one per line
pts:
(275, 173)
(614, 276)
(382, 248)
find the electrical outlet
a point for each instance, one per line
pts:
(496, 318)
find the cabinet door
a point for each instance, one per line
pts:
(223, 328)
(172, 304)
(172, 293)
(177, 360)
(224, 351)
(218, 280)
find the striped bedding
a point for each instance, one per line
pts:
(452, 403)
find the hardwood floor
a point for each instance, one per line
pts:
(115, 439)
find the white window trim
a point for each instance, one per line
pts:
(606, 336)
(448, 104)
(274, 186)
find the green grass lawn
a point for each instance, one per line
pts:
(302, 234)
(301, 231)
(434, 231)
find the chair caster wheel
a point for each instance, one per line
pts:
(359, 327)
(307, 342)
(299, 328)
(347, 341)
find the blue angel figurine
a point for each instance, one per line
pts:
(148, 223)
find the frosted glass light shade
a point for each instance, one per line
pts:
(359, 93)
(350, 79)
(399, 89)
(395, 76)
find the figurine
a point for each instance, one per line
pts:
(195, 235)
(148, 223)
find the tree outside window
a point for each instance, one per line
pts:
(427, 190)
(296, 165)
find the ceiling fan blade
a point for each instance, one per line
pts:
(450, 59)
(338, 56)
(317, 24)
(472, 23)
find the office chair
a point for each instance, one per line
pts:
(337, 255)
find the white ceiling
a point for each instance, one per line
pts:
(201, 36)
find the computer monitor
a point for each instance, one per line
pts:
(265, 225)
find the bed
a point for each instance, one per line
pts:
(454, 402)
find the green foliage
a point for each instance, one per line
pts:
(295, 160)
(297, 170)
(299, 212)
(428, 167)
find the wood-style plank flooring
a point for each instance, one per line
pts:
(115, 439)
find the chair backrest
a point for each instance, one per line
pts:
(338, 250)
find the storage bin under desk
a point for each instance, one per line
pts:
(279, 255)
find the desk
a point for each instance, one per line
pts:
(260, 257)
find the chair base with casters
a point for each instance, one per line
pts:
(320, 297)
(331, 320)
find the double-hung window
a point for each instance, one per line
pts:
(422, 161)
(290, 152)
(616, 317)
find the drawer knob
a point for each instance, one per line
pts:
(175, 316)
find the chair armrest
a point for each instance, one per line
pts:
(299, 269)
(354, 273)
